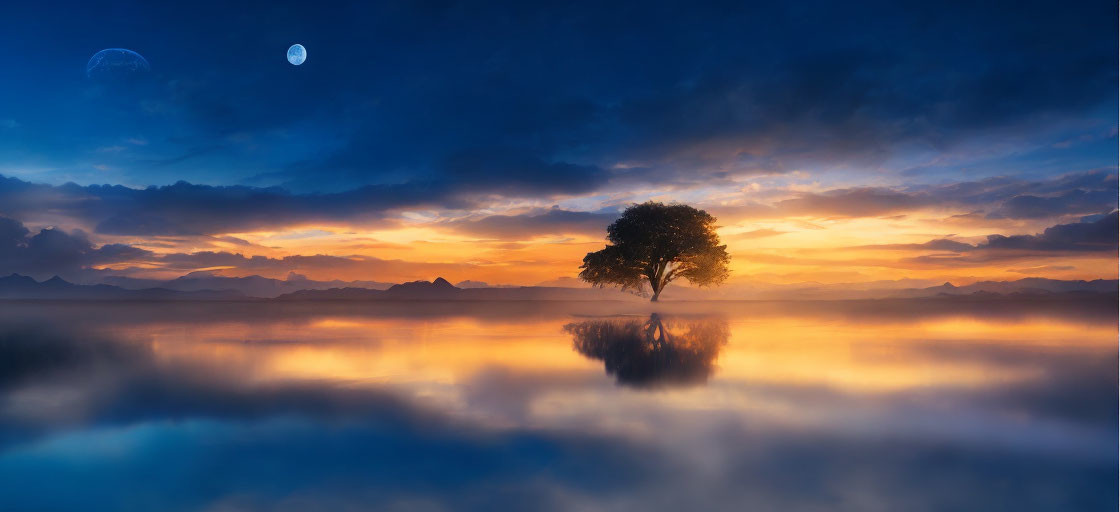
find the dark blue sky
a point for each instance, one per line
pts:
(540, 99)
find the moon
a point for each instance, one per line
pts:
(116, 62)
(297, 54)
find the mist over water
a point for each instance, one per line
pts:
(857, 405)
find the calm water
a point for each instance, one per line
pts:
(551, 406)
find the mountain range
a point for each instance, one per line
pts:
(441, 289)
(253, 286)
(193, 287)
(906, 288)
(1026, 286)
(16, 286)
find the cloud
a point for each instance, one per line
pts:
(513, 173)
(1096, 233)
(319, 264)
(1095, 236)
(189, 209)
(1039, 207)
(1041, 268)
(53, 251)
(941, 244)
(1086, 192)
(755, 234)
(1079, 193)
(73, 256)
(852, 104)
(529, 225)
(853, 202)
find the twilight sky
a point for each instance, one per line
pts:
(835, 142)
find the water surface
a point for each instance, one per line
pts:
(876, 405)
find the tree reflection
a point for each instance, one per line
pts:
(659, 352)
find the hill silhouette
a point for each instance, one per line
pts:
(441, 289)
(16, 286)
(190, 287)
(253, 286)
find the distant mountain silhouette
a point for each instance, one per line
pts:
(441, 289)
(193, 287)
(17, 286)
(907, 288)
(440, 284)
(481, 284)
(254, 286)
(1022, 287)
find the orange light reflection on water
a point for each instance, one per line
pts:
(845, 355)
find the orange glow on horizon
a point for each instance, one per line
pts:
(764, 251)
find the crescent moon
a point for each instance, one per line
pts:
(116, 61)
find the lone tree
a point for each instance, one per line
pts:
(658, 243)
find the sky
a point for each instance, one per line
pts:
(835, 142)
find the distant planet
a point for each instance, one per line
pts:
(116, 62)
(297, 54)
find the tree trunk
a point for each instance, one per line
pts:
(655, 282)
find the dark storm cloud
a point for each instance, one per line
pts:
(524, 226)
(53, 251)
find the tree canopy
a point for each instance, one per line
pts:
(658, 243)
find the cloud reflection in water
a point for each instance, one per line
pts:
(917, 406)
